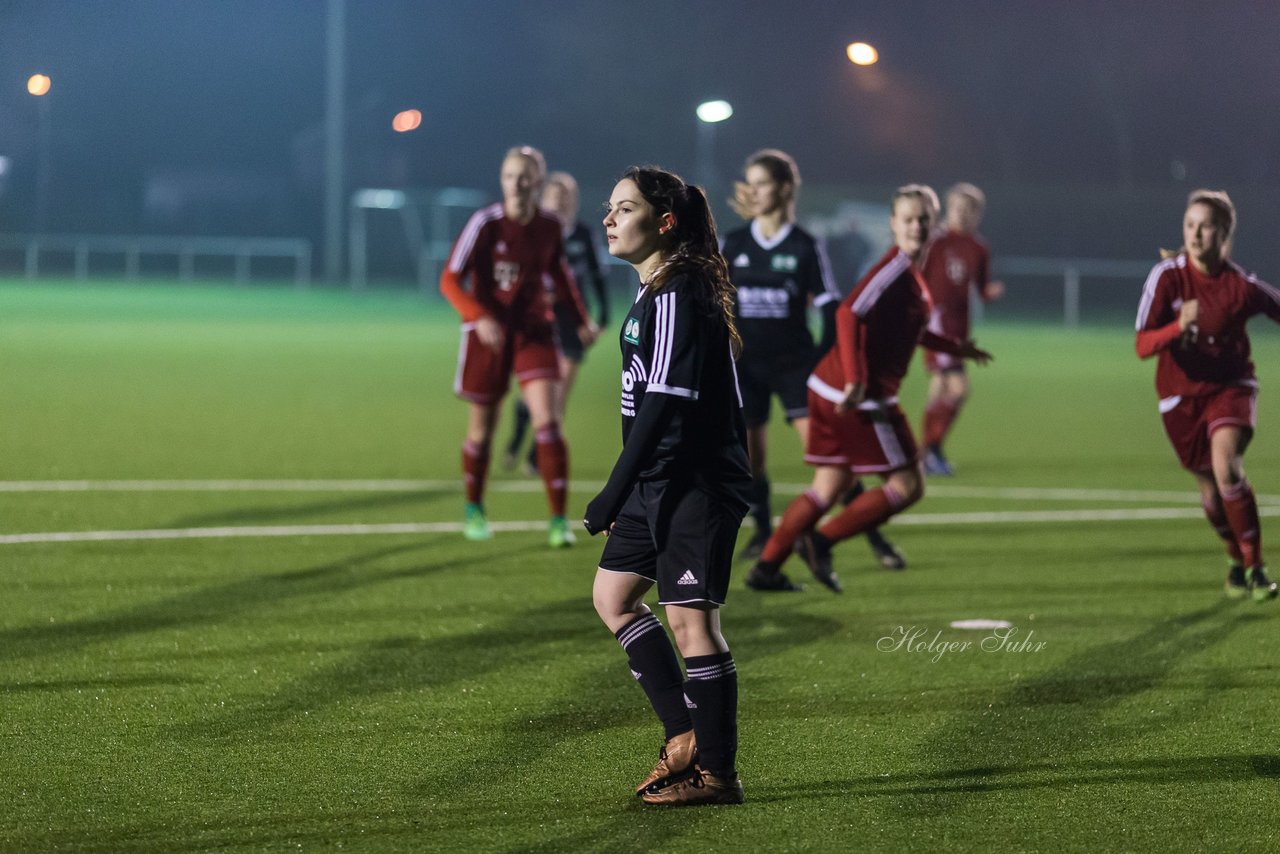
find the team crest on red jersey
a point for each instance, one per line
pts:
(506, 274)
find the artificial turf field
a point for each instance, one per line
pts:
(322, 661)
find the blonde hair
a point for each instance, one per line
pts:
(782, 169)
(565, 180)
(968, 190)
(1220, 203)
(923, 192)
(533, 155)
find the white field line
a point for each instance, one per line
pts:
(981, 518)
(533, 485)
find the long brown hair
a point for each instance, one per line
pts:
(690, 246)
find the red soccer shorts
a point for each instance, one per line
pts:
(484, 374)
(874, 438)
(1190, 421)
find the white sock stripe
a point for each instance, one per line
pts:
(715, 671)
(640, 627)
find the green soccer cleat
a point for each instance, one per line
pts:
(476, 526)
(1236, 587)
(1262, 587)
(558, 534)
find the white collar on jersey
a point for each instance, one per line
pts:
(759, 237)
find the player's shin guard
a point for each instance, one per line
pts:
(800, 515)
(553, 465)
(1242, 513)
(475, 469)
(869, 510)
(712, 690)
(654, 665)
(1217, 517)
(761, 512)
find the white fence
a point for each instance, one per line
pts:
(38, 249)
(1072, 272)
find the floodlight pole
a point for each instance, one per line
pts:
(334, 148)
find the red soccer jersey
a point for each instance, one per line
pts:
(878, 326)
(497, 268)
(1215, 351)
(954, 264)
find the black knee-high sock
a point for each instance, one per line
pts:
(520, 427)
(761, 512)
(653, 664)
(712, 689)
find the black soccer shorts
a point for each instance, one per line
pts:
(681, 537)
(759, 381)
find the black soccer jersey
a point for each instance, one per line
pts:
(580, 253)
(675, 346)
(775, 279)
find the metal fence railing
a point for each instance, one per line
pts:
(39, 250)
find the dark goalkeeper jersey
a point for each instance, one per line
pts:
(775, 280)
(676, 346)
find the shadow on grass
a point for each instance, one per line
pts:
(212, 604)
(1036, 775)
(1029, 720)
(262, 515)
(398, 665)
(605, 698)
(61, 685)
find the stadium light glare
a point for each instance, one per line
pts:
(861, 53)
(39, 84)
(714, 111)
(406, 120)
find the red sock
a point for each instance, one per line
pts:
(475, 469)
(1218, 519)
(553, 465)
(1242, 512)
(938, 418)
(800, 516)
(869, 510)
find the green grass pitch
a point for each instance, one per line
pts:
(404, 690)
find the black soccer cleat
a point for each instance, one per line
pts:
(819, 563)
(886, 553)
(770, 580)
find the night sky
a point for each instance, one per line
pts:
(1139, 98)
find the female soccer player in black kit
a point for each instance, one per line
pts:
(676, 497)
(778, 270)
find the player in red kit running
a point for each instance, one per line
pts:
(778, 271)
(855, 423)
(955, 264)
(494, 279)
(1192, 318)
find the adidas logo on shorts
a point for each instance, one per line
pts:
(687, 578)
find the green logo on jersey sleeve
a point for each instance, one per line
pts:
(631, 331)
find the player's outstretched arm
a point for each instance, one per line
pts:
(967, 349)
